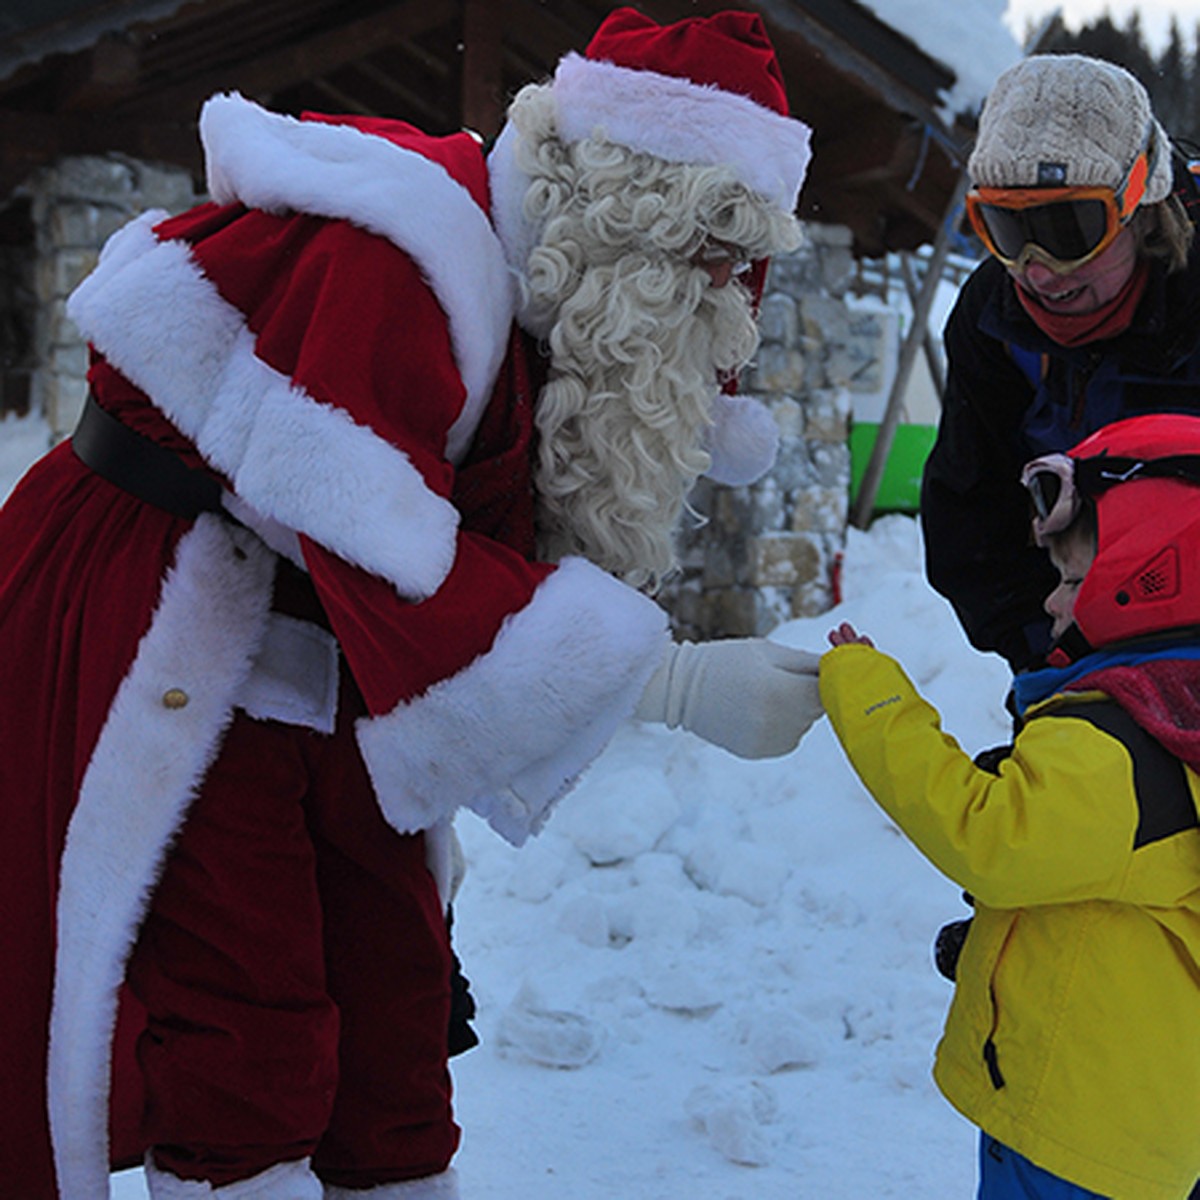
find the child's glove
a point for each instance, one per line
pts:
(750, 696)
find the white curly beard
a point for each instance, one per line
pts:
(635, 357)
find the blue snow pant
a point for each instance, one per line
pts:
(1006, 1175)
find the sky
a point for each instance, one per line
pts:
(709, 977)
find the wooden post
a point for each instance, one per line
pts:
(872, 477)
(932, 359)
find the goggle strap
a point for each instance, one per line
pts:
(1096, 475)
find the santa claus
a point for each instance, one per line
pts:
(382, 458)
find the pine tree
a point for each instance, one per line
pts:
(1172, 93)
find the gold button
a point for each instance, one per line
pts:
(175, 698)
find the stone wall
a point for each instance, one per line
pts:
(75, 206)
(770, 552)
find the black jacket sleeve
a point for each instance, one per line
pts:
(974, 512)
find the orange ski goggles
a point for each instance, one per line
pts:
(1064, 227)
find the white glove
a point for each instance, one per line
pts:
(750, 696)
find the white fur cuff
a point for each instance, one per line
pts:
(529, 715)
(431, 1187)
(284, 1181)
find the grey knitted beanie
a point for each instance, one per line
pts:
(1065, 120)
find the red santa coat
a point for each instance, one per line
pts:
(332, 337)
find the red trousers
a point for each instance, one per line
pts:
(295, 967)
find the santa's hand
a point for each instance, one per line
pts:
(752, 697)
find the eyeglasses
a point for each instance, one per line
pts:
(1064, 227)
(1056, 483)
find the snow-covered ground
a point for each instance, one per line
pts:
(730, 960)
(710, 979)
(22, 439)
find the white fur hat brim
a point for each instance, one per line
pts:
(680, 121)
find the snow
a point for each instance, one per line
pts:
(971, 37)
(713, 978)
(22, 439)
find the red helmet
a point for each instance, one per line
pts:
(1143, 474)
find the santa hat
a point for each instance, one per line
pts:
(705, 91)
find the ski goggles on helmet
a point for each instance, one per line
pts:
(1057, 483)
(1064, 227)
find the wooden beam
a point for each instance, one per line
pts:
(545, 35)
(341, 98)
(483, 101)
(306, 60)
(387, 82)
(858, 43)
(32, 140)
(861, 146)
(99, 76)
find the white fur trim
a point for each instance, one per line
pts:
(431, 1187)
(280, 538)
(278, 164)
(306, 465)
(518, 235)
(743, 440)
(141, 778)
(529, 715)
(440, 855)
(680, 121)
(284, 1181)
(294, 678)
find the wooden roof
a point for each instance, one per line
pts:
(94, 76)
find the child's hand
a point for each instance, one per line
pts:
(846, 635)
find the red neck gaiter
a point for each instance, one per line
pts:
(1076, 329)
(1161, 695)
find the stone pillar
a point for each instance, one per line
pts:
(769, 552)
(76, 204)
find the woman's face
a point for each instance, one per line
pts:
(1086, 288)
(1073, 556)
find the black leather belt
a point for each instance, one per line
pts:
(141, 467)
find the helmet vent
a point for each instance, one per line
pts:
(1159, 578)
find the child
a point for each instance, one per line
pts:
(1073, 1040)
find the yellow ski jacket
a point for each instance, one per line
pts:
(1074, 1033)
